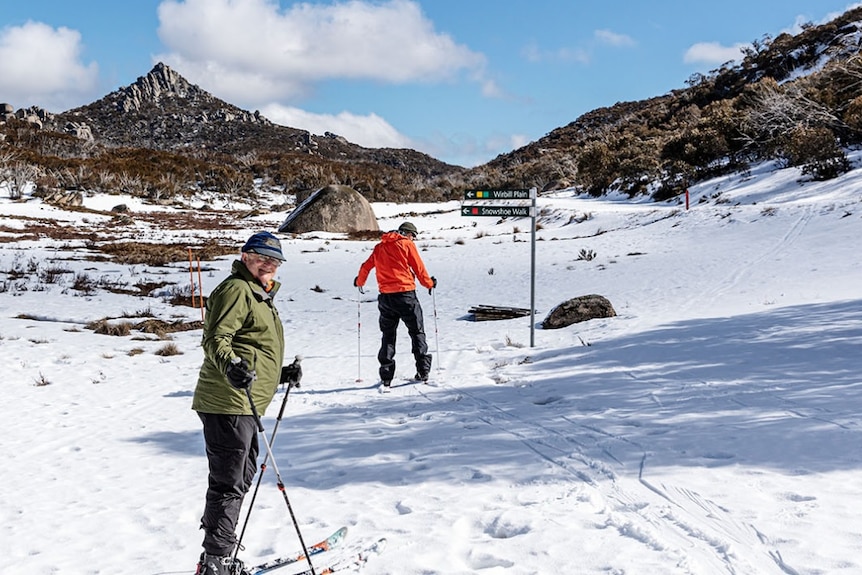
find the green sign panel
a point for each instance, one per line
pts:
(497, 195)
(497, 211)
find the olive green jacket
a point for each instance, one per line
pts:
(241, 321)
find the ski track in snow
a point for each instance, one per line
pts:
(675, 522)
(667, 520)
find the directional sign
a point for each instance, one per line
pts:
(497, 211)
(497, 195)
(511, 211)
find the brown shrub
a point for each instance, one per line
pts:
(105, 327)
(163, 254)
(169, 349)
(162, 328)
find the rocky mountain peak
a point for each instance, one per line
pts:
(161, 82)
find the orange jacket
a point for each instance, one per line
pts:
(398, 265)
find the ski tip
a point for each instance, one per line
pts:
(337, 536)
(372, 551)
(378, 547)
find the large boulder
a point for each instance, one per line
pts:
(335, 208)
(577, 310)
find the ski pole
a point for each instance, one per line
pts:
(280, 483)
(436, 334)
(260, 475)
(359, 334)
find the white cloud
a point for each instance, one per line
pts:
(613, 39)
(253, 52)
(490, 89)
(518, 141)
(41, 66)
(370, 131)
(713, 53)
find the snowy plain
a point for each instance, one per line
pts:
(711, 427)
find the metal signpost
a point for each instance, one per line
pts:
(506, 211)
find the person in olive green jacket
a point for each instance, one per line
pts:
(243, 343)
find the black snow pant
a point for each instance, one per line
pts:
(403, 306)
(232, 448)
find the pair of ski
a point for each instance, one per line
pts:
(353, 562)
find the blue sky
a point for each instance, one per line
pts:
(461, 80)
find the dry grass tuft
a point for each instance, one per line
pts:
(168, 349)
(146, 288)
(157, 327)
(162, 328)
(162, 254)
(105, 327)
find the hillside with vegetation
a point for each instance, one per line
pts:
(796, 99)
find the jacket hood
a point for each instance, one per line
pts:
(392, 236)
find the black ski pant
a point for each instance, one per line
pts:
(403, 306)
(232, 448)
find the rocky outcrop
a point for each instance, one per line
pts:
(41, 117)
(32, 115)
(79, 130)
(339, 209)
(578, 309)
(162, 83)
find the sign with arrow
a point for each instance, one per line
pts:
(497, 195)
(505, 211)
(497, 211)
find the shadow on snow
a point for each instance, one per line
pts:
(779, 389)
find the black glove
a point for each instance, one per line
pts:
(292, 374)
(356, 284)
(433, 284)
(238, 373)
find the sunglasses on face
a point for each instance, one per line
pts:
(266, 259)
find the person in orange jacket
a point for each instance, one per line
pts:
(397, 264)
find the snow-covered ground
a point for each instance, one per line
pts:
(711, 427)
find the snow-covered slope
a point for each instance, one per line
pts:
(710, 427)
